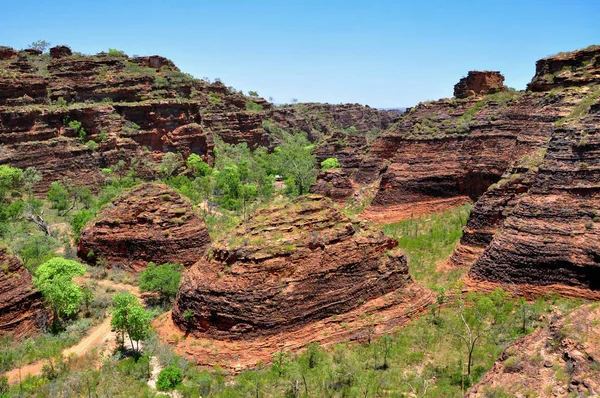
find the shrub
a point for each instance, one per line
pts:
(115, 53)
(252, 106)
(162, 279)
(169, 378)
(330, 163)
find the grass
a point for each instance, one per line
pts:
(429, 240)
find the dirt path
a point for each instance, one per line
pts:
(99, 335)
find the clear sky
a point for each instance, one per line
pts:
(380, 53)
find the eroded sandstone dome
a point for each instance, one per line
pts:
(151, 222)
(284, 267)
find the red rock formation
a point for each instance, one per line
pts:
(479, 83)
(285, 267)
(139, 103)
(22, 312)
(540, 361)
(150, 223)
(552, 235)
(334, 184)
(60, 52)
(577, 68)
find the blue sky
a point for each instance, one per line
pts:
(379, 53)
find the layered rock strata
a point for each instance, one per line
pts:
(479, 83)
(149, 223)
(285, 267)
(134, 109)
(22, 312)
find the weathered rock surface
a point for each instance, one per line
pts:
(22, 312)
(445, 152)
(334, 184)
(479, 83)
(285, 267)
(149, 223)
(560, 360)
(576, 68)
(137, 108)
(552, 235)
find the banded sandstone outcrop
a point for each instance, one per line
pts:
(136, 109)
(149, 223)
(286, 267)
(22, 312)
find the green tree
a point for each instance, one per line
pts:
(295, 161)
(41, 45)
(479, 316)
(162, 279)
(130, 318)
(330, 163)
(54, 279)
(198, 166)
(31, 176)
(169, 378)
(59, 196)
(252, 93)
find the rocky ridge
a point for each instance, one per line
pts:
(135, 109)
(536, 229)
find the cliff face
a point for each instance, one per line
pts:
(150, 223)
(552, 234)
(536, 230)
(135, 109)
(577, 68)
(22, 312)
(287, 266)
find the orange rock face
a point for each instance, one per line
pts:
(22, 312)
(479, 83)
(284, 268)
(150, 223)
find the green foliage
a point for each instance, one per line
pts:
(65, 197)
(130, 318)
(116, 53)
(41, 45)
(80, 219)
(15, 352)
(170, 163)
(252, 93)
(252, 106)
(163, 279)
(428, 240)
(169, 378)
(11, 206)
(54, 279)
(79, 130)
(295, 161)
(198, 166)
(330, 163)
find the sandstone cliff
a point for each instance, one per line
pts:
(135, 109)
(149, 223)
(22, 312)
(285, 267)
